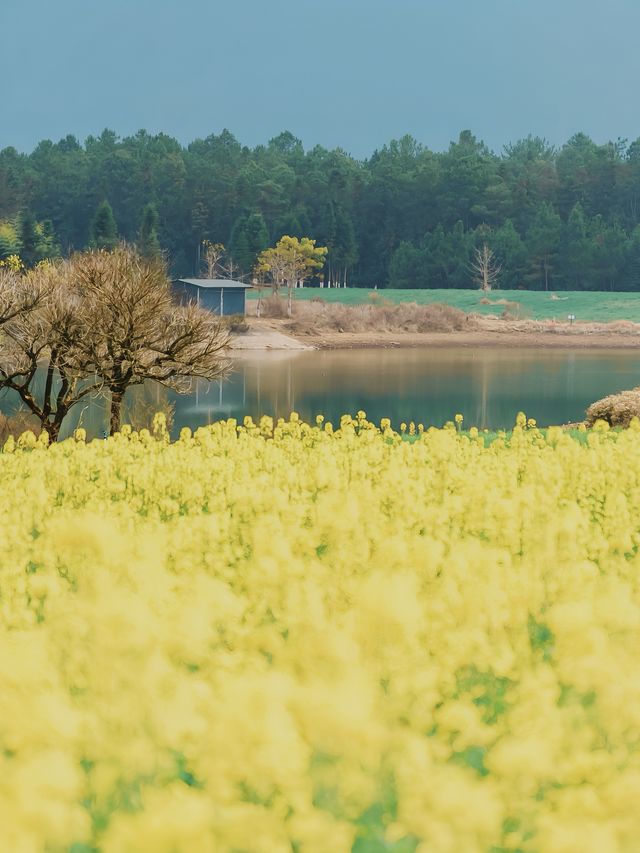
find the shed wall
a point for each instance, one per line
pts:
(231, 300)
(234, 301)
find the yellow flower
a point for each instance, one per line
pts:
(254, 636)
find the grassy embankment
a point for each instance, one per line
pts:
(598, 307)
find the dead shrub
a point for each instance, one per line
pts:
(16, 424)
(513, 311)
(274, 307)
(441, 318)
(616, 409)
(312, 318)
(625, 327)
(236, 323)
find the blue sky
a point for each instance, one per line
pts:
(346, 73)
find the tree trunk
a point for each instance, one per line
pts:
(116, 408)
(290, 302)
(52, 430)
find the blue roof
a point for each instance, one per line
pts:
(214, 282)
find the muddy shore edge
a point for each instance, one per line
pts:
(272, 334)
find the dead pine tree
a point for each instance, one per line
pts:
(486, 270)
(212, 255)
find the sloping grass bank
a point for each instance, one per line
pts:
(536, 305)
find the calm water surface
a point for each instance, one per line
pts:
(488, 386)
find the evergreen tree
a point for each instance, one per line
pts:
(511, 254)
(148, 243)
(631, 270)
(257, 236)
(543, 239)
(607, 254)
(104, 231)
(239, 249)
(28, 237)
(9, 240)
(447, 257)
(48, 246)
(343, 254)
(363, 211)
(576, 255)
(408, 268)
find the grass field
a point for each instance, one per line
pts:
(536, 305)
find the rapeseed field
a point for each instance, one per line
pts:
(291, 637)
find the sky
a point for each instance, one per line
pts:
(339, 73)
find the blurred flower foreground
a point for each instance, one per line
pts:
(289, 637)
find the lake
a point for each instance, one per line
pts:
(488, 386)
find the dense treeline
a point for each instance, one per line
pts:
(565, 218)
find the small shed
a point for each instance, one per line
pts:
(221, 295)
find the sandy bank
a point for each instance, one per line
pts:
(262, 335)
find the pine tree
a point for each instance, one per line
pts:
(511, 254)
(28, 234)
(257, 236)
(104, 231)
(543, 239)
(239, 245)
(148, 243)
(48, 246)
(9, 240)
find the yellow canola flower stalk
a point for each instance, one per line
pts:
(270, 636)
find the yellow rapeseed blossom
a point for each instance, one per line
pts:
(284, 636)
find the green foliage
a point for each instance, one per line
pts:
(511, 254)
(28, 236)
(9, 240)
(248, 239)
(543, 240)
(33, 241)
(148, 243)
(104, 231)
(408, 267)
(405, 217)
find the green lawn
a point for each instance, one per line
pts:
(537, 305)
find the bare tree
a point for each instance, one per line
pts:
(44, 348)
(139, 332)
(272, 264)
(18, 294)
(211, 257)
(485, 268)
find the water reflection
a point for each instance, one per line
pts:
(140, 405)
(488, 386)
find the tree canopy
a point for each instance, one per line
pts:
(561, 218)
(99, 321)
(290, 262)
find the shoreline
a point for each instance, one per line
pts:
(271, 334)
